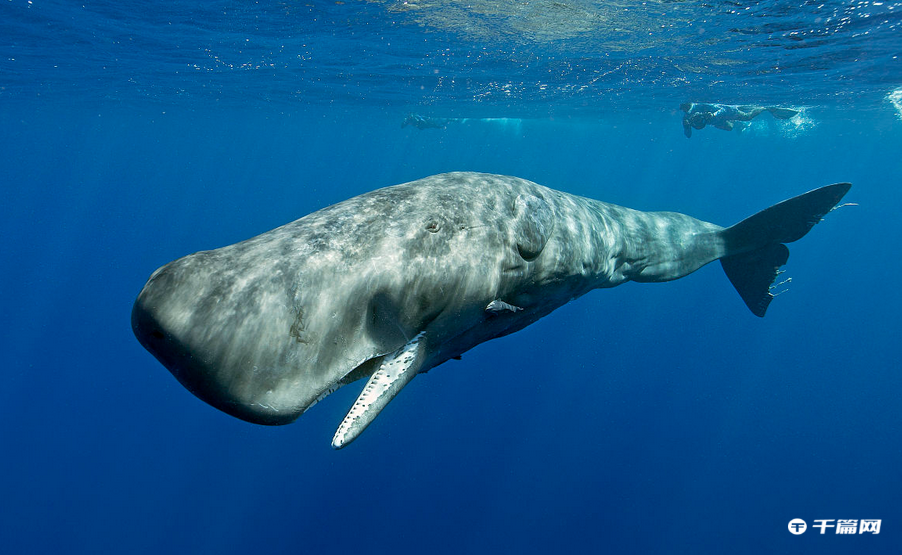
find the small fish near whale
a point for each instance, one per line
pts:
(396, 281)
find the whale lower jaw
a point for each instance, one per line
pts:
(395, 371)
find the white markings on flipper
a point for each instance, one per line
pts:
(498, 305)
(396, 371)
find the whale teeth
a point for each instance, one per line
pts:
(396, 371)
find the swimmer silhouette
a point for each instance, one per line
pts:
(724, 116)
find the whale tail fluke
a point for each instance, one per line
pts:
(756, 246)
(753, 274)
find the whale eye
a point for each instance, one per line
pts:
(432, 227)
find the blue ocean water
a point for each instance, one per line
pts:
(649, 418)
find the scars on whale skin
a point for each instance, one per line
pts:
(396, 281)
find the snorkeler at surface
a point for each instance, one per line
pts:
(423, 122)
(724, 116)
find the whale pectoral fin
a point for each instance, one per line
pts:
(396, 371)
(497, 306)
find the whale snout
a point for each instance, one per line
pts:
(167, 327)
(147, 327)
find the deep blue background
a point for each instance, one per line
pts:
(658, 418)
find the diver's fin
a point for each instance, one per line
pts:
(782, 113)
(755, 249)
(396, 371)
